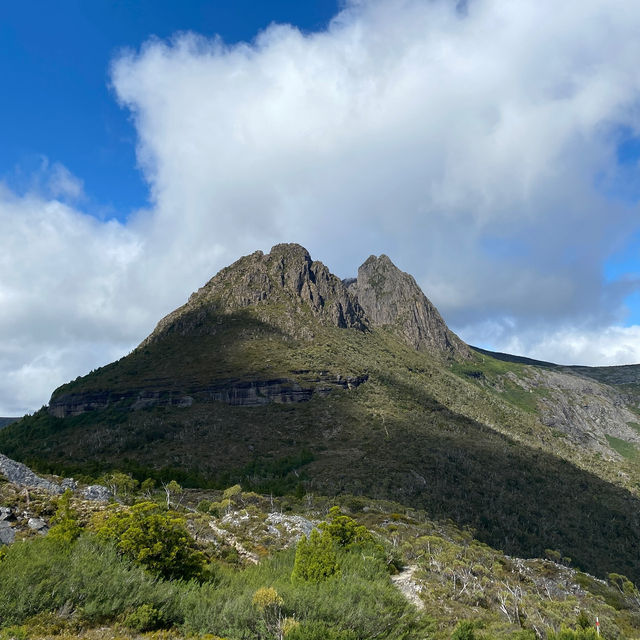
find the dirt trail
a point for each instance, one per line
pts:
(408, 586)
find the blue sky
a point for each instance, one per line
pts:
(54, 64)
(493, 153)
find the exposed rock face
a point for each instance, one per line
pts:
(582, 409)
(69, 483)
(21, 475)
(282, 391)
(243, 393)
(285, 275)
(392, 298)
(293, 527)
(75, 404)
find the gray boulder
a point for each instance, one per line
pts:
(97, 492)
(7, 534)
(38, 524)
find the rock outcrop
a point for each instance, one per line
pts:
(75, 404)
(282, 391)
(584, 410)
(242, 393)
(96, 492)
(392, 298)
(22, 476)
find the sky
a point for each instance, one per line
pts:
(491, 148)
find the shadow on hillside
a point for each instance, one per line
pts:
(517, 498)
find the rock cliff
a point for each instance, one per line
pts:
(239, 393)
(393, 299)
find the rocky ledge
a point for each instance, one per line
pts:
(242, 393)
(256, 393)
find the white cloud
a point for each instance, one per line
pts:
(406, 128)
(65, 306)
(570, 345)
(475, 148)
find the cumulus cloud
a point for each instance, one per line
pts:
(64, 302)
(474, 144)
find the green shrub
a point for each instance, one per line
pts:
(87, 576)
(145, 618)
(465, 630)
(66, 527)
(47, 623)
(343, 530)
(14, 633)
(362, 600)
(153, 539)
(318, 631)
(269, 604)
(573, 634)
(316, 558)
(232, 492)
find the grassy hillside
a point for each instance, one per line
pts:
(392, 572)
(420, 432)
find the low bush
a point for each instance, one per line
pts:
(157, 540)
(87, 577)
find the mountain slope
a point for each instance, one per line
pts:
(278, 375)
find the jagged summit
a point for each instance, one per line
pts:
(391, 297)
(286, 288)
(263, 330)
(280, 287)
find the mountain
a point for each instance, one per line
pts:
(279, 375)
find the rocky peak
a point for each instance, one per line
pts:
(288, 289)
(393, 298)
(279, 287)
(286, 274)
